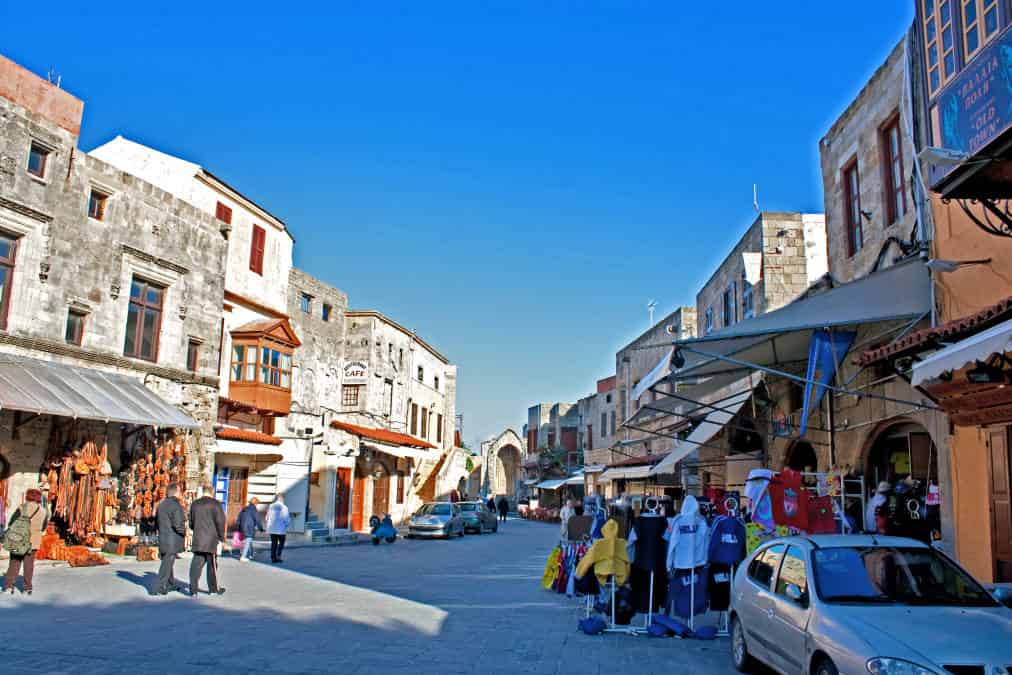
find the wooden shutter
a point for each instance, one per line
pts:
(439, 429)
(256, 255)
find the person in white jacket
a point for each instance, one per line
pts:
(278, 519)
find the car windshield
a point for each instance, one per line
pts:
(468, 507)
(887, 575)
(434, 510)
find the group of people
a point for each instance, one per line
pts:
(502, 506)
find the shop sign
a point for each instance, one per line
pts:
(355, 371)
(976, 107)
(783, 426)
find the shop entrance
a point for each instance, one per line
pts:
(1001, 504)
(904, 456)
(802, 457)
(380, 490)
(342, 495)
(231, 483)
(358, 502)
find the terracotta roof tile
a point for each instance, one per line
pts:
(947, 332)
(382, 435)
(233, 434)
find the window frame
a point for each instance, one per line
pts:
(78, 337)
(708, 321)
(604, 425)
(258, 245)
(192, 354)
(103, 199)
(852, 197)
(979, 23)
(890, 162)
(325, 313)
(774, 575)
(43, 150)
(439, 428)
(802, 554)
(9, 263)
(144, 306)
(435, 383)
(349, 392)
(932, 14)
(747, 298)
(728, 305)
(223, 213)
(421, 374)
(258, 364)
(414, 419)
(425, 423)
(306, 303)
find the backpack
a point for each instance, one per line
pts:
(18, 538)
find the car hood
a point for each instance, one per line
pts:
(932, 635)
(430, 520)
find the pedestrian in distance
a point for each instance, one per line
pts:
(171, 522)
(249, 525)
(207, 520)
(491, 503)
(22, 539)
(565, 513)
(504, 508)
(278, 519)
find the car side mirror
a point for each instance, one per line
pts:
(795, 594)
(1003, 595)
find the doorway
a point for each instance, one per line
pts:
(1001, 503)
(358, 502)
(342, 495)
(236, 480)
(381, 491)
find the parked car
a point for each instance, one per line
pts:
(829, 604)
(477, 518)
(436, 519)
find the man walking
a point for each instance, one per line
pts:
(249, 524)
(278, 519)
(504, 508)
(171, 522)
(207, 520)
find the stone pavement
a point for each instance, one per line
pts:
(462, 606)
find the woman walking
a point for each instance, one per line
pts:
(278, 519)
(23, 539)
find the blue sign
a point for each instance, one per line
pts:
(976, 107)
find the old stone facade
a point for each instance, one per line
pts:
(773, 263)
(858, 144)
(81, 235)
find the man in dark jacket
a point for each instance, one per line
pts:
(504, 507)
(171, 523)
(249, 524)
(207, 520)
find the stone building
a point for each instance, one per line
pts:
(111, 288)
(502, 465)
(599, 421)
(773, 263)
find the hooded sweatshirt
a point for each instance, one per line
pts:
(607, 556)
(689, 537)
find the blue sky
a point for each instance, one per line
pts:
(512, 180)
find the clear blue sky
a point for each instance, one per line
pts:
(514, 182)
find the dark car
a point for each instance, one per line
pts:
(477, 517)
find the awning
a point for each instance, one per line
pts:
(693, 402)
(531, 481)
(553, 484)
(382, 435)
(403, 451)
(47, 388)
(979, 347)
(267, 453)
(899, 293)
(715, 421)
(593, 468)
(625, 473)
(658, 373)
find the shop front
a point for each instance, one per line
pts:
(245, 467)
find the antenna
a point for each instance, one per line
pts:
(755, 197)
(651, 305)
(54, 77)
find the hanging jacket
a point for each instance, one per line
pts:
(727, 541)
(551, 568)
(689, 537)
(607, 556)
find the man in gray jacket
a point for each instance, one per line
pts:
(207, 520)
(171, 523)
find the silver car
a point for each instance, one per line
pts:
(477, 517)
(436, 519)
(830, 604)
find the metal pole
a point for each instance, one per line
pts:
(830, 417)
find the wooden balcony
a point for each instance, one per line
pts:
(262, 396)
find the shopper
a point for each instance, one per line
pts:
(171, 522)
(875, 516)
(278, 519)
(504, 508)
(207, 520)
(565, 514)
(22, 539)
(249, 525)
(491, 503)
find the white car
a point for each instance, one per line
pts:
(829, 604)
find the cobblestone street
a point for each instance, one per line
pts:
(461, 606)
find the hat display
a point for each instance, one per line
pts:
(884, 487)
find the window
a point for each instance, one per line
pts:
(223, 213)
(792, 572)
(764, 566)
(852, 207)
(421, 374)
(144, 320)
(192, 352)
(400, 359)
(390, 352)
(747, 300)
(439, 428)
(306, 303)
(607, 399)
(400, 487)
(275, 368)
(727, 306)
(8, 249)
(388, 396)
(604, 425)
(414, 419)
(975, 32)
(892, 170)
(256, 251)
(425, 423)
(244, 360)
(939, 43)
(612, 422)
(96, 204)
(38, 157)
(75, 327)
(326, 312)
(435, 383)
(708, 321)
(350, 394)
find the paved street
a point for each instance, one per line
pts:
(462, 606)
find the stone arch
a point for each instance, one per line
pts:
(503, 464)
(801, 455)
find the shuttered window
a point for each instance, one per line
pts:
(256, 254)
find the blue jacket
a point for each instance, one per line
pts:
(727, 541)
(249, 521)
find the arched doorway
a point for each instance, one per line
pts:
(507, 472)
(802, 457)
(904, 456)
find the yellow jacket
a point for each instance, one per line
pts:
(607, 556)
(551, 568)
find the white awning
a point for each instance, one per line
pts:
(48, 388)
(897, 294)
(624, 473)
(979, 347)
(575, 480)
(658, 373)
(593, 468)
(553, 484)
(402, 451)
(262, 451)
(707, 429)
(531, 481)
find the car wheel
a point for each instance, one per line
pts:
(743, 661)
(825, 667)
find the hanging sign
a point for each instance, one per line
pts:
(355, 371)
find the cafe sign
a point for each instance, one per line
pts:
(355, 372)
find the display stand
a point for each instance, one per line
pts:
(612, 627)
(723, 629)
(850, 488)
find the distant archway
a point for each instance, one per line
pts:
(802, 457)
(503, 464)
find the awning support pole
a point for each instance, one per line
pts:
(707, 405)
(798, 378)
